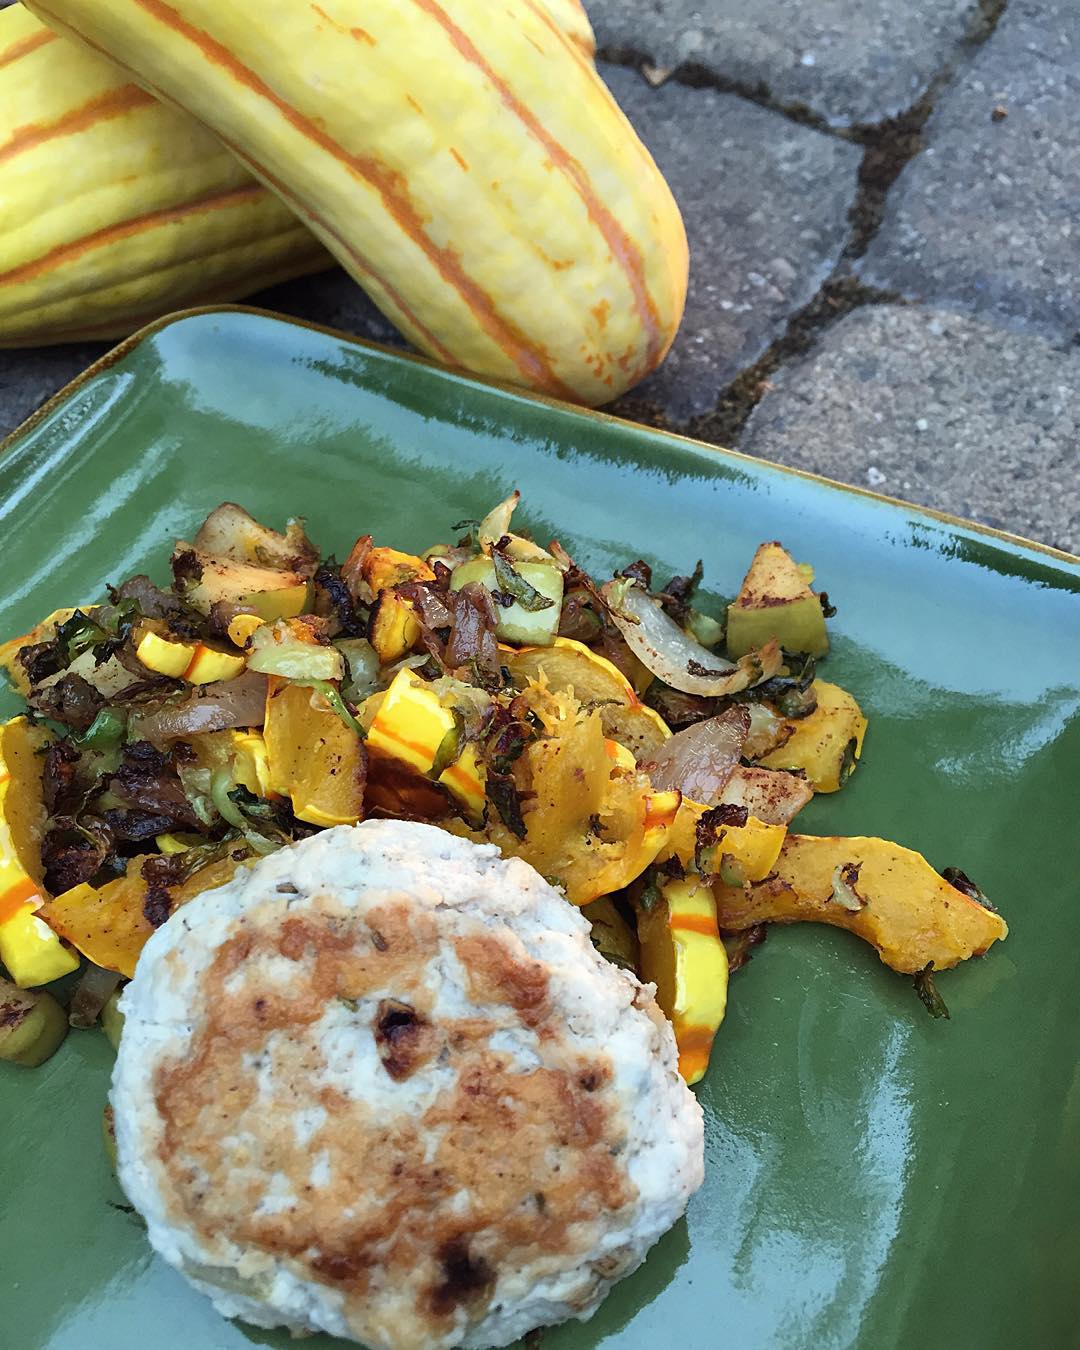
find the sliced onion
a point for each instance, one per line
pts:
(659, 643)
(769, 794)
(497, 521)
(209, 707)
(700, 760)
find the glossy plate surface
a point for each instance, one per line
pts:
(874, 1178)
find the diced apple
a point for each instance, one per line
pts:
(827, 744)
(231, 532)
(775, 601)
(205, 579)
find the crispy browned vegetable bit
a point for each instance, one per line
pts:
(644, 754)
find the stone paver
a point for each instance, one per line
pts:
(936, 408)
(848, 61)
(29, 377)
(765, 203)
(988, 217)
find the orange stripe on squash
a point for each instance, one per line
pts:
(114, 103)
(530, 358)
(17, 896)
(622, 247)
(570, 45)
(110, 234)
(694, 923)
(359, 261)
(25, 46)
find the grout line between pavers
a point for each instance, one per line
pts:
(888, 146)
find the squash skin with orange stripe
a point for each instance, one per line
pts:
(116, 209)
(504, 215)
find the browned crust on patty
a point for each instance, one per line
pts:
(537, 1152)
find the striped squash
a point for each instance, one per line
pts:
(463, 160)
(571, 17)
(115, 209)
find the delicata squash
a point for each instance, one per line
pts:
(462, 160)
(117, 209)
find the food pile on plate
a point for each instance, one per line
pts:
(620, 769)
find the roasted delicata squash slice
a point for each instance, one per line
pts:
(314, 758)
(826, 744)
(882, 892)
(569, 666)
(591, 821)
(681, 953)
(738, 853)
(108, 923)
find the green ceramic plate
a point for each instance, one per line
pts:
(874, 1178)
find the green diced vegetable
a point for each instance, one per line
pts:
(291, 649)
(362, 668)
(528, 627)
(32, 1025)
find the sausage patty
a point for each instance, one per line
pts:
(382, 1085)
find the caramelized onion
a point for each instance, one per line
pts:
(700, 760)
(660, 644)
(209, 707)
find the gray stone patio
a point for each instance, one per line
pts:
(883, 205)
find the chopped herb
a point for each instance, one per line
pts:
(651, 894)
(927, 991)
(964, 884)
(844, 877)
(847, 763)
(502, 792)
(353, 1004)
(513, 583)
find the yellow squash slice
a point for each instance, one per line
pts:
(681, 953)
(884, 893)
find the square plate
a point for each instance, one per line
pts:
(874, 1178)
